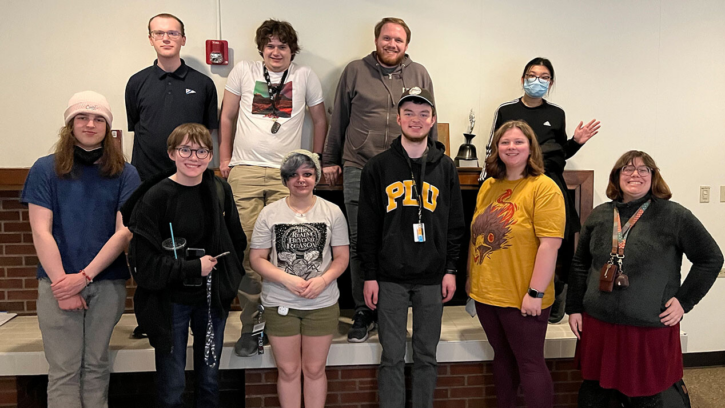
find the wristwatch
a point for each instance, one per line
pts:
(535, 293)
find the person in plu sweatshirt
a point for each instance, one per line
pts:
(363, 124)
(410, 226)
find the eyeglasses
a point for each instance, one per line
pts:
(159, 35)
(185, 152)
(543, 78)
(643, 171)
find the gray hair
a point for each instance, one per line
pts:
(294, 161)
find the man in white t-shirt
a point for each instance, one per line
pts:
(268, 98)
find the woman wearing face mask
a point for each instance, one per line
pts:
(73, 197)
(549, 123)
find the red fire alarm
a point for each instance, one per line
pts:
(217, 52)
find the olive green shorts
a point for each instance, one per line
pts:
(317, 322)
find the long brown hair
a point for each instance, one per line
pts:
(112, 162)
(659, 188)
(496, 168)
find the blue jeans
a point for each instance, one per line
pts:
(170, 367)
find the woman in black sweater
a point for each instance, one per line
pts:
(625, 303)
(549, 123)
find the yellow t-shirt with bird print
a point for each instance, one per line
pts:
(510, 218)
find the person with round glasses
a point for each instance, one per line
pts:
(186, 257)
(626, 295)
(549, 124)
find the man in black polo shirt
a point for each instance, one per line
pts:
(165, 95)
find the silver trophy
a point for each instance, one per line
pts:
(467, 152)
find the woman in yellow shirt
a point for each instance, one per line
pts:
(516, 231)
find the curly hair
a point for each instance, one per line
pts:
(280, 29)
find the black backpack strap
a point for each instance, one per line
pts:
(219, 193)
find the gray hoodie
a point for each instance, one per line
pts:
(363, 120)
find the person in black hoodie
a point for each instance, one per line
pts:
(410, 227)
(179, 285)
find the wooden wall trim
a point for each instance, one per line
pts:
(581, 181)
(13, 179)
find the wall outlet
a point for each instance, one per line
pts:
(722, 194)
(704, 194)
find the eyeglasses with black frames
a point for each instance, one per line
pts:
(543, 78)
(185, 152)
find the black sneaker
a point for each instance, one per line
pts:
(363, 323)
(247, 345)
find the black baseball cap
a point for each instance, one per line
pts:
(417, 93)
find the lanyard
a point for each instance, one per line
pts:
(619, 234)
(274, 90)
(209, 345)
(418, 196)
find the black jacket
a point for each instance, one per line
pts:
(548, 122)
(387, 213)
(652, 261)
(155, 271)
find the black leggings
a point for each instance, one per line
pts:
(591, 395)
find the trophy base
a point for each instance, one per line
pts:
(467, 163)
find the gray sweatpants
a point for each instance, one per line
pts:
(427, 302)
(76, 343)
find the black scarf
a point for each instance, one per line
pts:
(87, 157)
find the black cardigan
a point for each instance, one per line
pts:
(154, 271)
(653, 259)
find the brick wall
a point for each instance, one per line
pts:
(460, 385)
(18, 286)
(8, 394)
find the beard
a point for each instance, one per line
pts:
(388, 60)
(415, 139)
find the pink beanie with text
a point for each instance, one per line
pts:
(88, 102)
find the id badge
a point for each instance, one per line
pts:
(258, 328)
(419, 232)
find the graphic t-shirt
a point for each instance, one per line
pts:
(301, 246)
(510, 218)
(254, 143)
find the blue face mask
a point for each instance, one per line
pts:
(535, 88)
